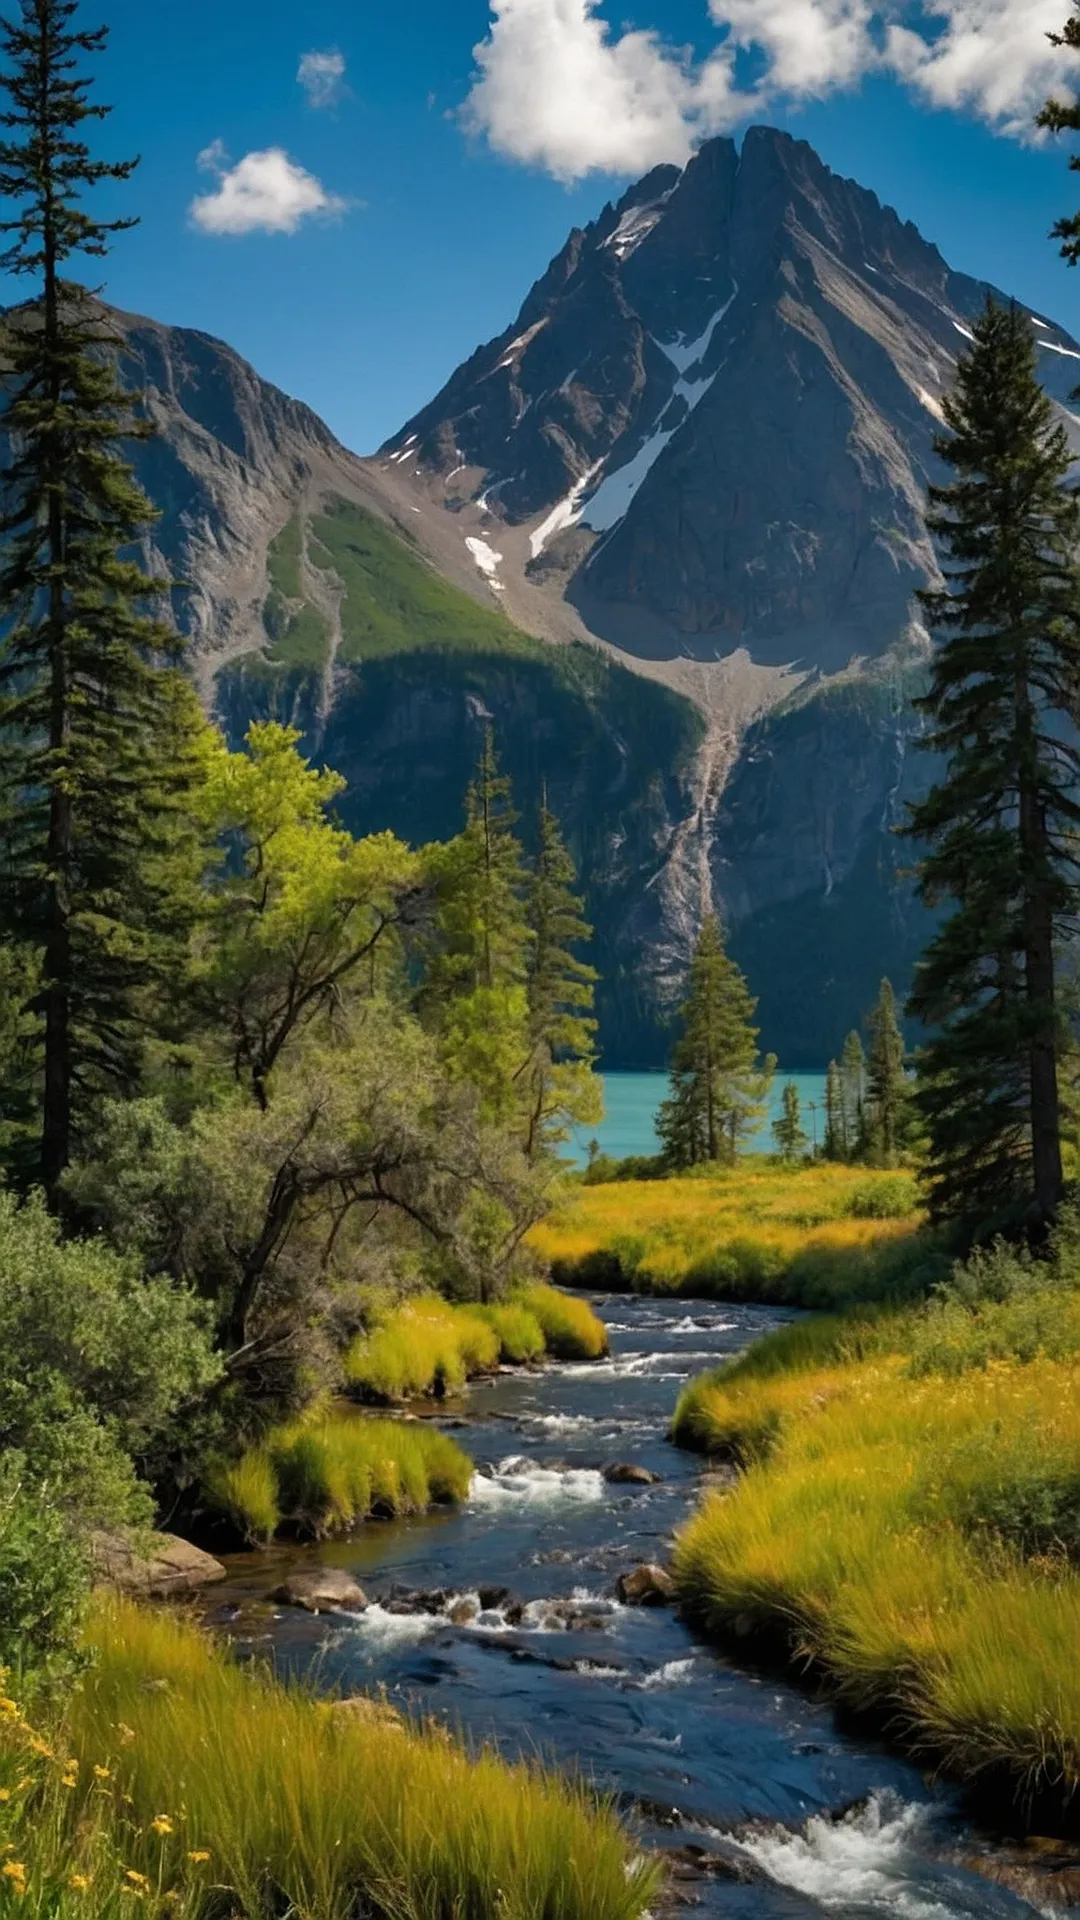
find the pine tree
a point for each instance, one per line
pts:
(475, 987)
(1000, 827)
(787, 1131)
(1060, 116)
(835, 1128)
(718, 1090)
(560, 1085)
(853, 1096)
(886, 1080)
(89, 717)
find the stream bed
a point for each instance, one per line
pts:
(768, 1810)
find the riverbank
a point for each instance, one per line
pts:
(178, 1783)
(814, 1235)
(907, 1520)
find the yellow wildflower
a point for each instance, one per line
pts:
(13, 1870)
(8, 1707)
(5, 1793)
(78, 1882)
(161, 1824)
(198, 1855)
(102, 1773)
(38, 1745)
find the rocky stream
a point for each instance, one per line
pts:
(503, 1617)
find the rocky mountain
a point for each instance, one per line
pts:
(666, 529)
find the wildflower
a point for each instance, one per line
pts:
(102, 1773)
(161, 1824)
(78, 1882)
(198, 1855)
(70, 1776)
(5, 1793)
(40, 1746)
(137, 1879)
(14, 1871)
(9, 1708)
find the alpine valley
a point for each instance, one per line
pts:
(666, 530)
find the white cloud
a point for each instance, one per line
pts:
(263, 193)
(556, 87)
(557, 90)
(322, 77)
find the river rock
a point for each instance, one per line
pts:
(648, 1586)
(167, 1566)
(324, 1590)
(463, 1612)
(493, 1597)
(623, 1473)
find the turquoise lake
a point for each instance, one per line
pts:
(632, 1099)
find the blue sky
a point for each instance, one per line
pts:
(366, 306)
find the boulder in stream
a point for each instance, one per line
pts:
(648, 1586)
(623, 1473)
(323, 1590)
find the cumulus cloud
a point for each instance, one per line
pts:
(263, 193)
(322, 76)
(556, 87)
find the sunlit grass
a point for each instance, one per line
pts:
(326, 1474)
(177, 1783)
(812, 1235)
(909, 1531)
(426, 1346)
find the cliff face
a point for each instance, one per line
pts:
(665, 531)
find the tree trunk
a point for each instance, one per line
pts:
(56, 1114)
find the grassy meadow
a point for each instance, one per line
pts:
(178, 1784)
(427, 1347)
(908, 1517)
(809, 1236)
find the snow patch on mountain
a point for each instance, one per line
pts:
(565, 513)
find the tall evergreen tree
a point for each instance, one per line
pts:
(1000, 827)
(886, 1080)
(559, 1081)
(475, 985)
(1061, 116)
(853, 1096)
(835, 1128)
(787, 1131)
(718, 1089)
(93, 762)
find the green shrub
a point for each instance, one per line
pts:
(885, 1198)
(44, 1576)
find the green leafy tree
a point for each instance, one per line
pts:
(92, 771)
(835, 1122)
(1000, 827)
(718, 1088)
(303, 914)
(560, 1087)
(853, 1097)
(791, 1141)
(887, 1088)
